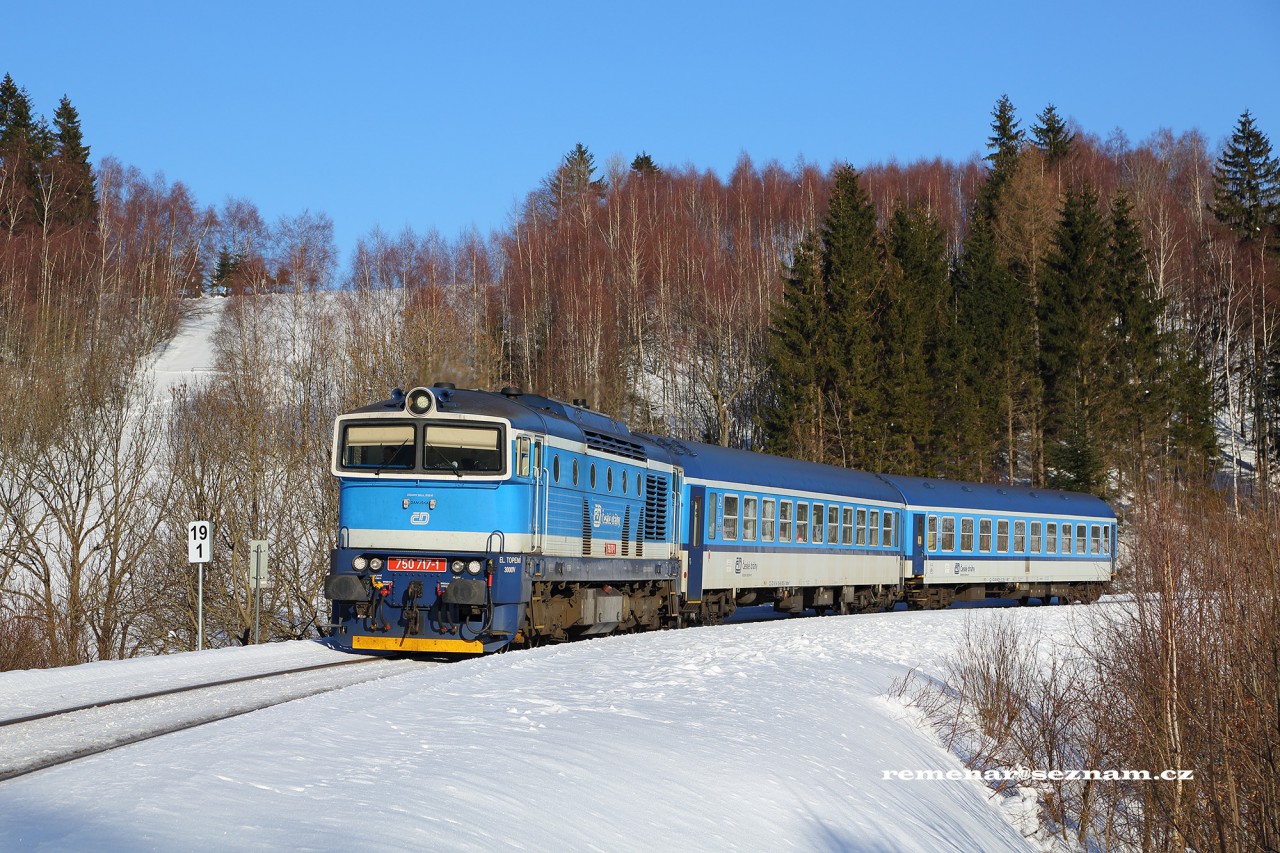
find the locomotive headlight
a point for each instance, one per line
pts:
(474, 567)
(359, 564)
(457, 567)
(419, 401)
(375, 563)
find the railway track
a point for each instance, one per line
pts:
(40, 741)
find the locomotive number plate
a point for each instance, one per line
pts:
(416, 564)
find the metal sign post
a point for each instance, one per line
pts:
(199, 550)
(258, 550)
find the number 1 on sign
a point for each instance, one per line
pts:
(199, 541)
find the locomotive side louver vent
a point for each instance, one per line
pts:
(655, 506)
(640, 538)
(626, 536)
(586, 529)
(616, 446)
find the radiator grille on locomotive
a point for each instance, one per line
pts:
(616, 446)
(655, 505)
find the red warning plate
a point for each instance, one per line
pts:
(416, 564)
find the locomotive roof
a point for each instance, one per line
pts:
(924, 492)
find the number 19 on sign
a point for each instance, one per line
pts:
(199, 550)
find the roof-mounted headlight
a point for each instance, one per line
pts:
(419, 401)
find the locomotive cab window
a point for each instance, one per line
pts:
(461, 449)
(378, 447)
(522, 454)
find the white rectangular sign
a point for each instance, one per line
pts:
(199, 542)
(258, 575)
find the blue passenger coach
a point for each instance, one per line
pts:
(471, 520)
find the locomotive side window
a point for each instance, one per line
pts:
(890, 539)
(575, 472)
(555, 467)
(378, 447)
(522, 455)
(1051, 536)
(731, 517)
(818, 520)
(948, 533)
(1002, 536)
(1035, 537)
(767, 520)
(749, 512)
(784, 522)
(802, 521)
(608, 478)
(624, 481)
(984, 536)
(966, 534)
(846, 528)
(873, 527)
(593, 475)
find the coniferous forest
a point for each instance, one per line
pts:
(1066, 311)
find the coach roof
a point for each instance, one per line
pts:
(946, 494)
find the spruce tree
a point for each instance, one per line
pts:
(71, 158)
(793, 420)
(572, 190)
(1246, 195)
(1004, 146)
(1073, 316)
(1052, 136)
(643, 165)
(852, 266)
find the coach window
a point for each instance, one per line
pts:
(784, 521)
(731, 517)
(1002, 536)
(984, 536)
(966, 534)
(819, 519)
(1035, 537)
(766, 519)
(846, 527)
(1095, 545)
(948, 533)
(1107, 532)
(932, 547)
(873, 528)
(713, 514)
(890, 539)
(749, 513)
(802, 521)
(1019, 537)
(1082, 535)
(862, 526)
(1051, 537)
(833, 524)
(1066, 539)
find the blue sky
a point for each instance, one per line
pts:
(443, 115)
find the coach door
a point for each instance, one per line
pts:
(917, 545)
(697, 504)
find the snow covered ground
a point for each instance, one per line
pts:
(763, 736)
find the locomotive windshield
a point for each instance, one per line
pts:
(382, 448)
(462, 449)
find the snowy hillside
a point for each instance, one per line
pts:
(764, 736)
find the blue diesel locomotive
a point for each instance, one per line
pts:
(470, 521)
